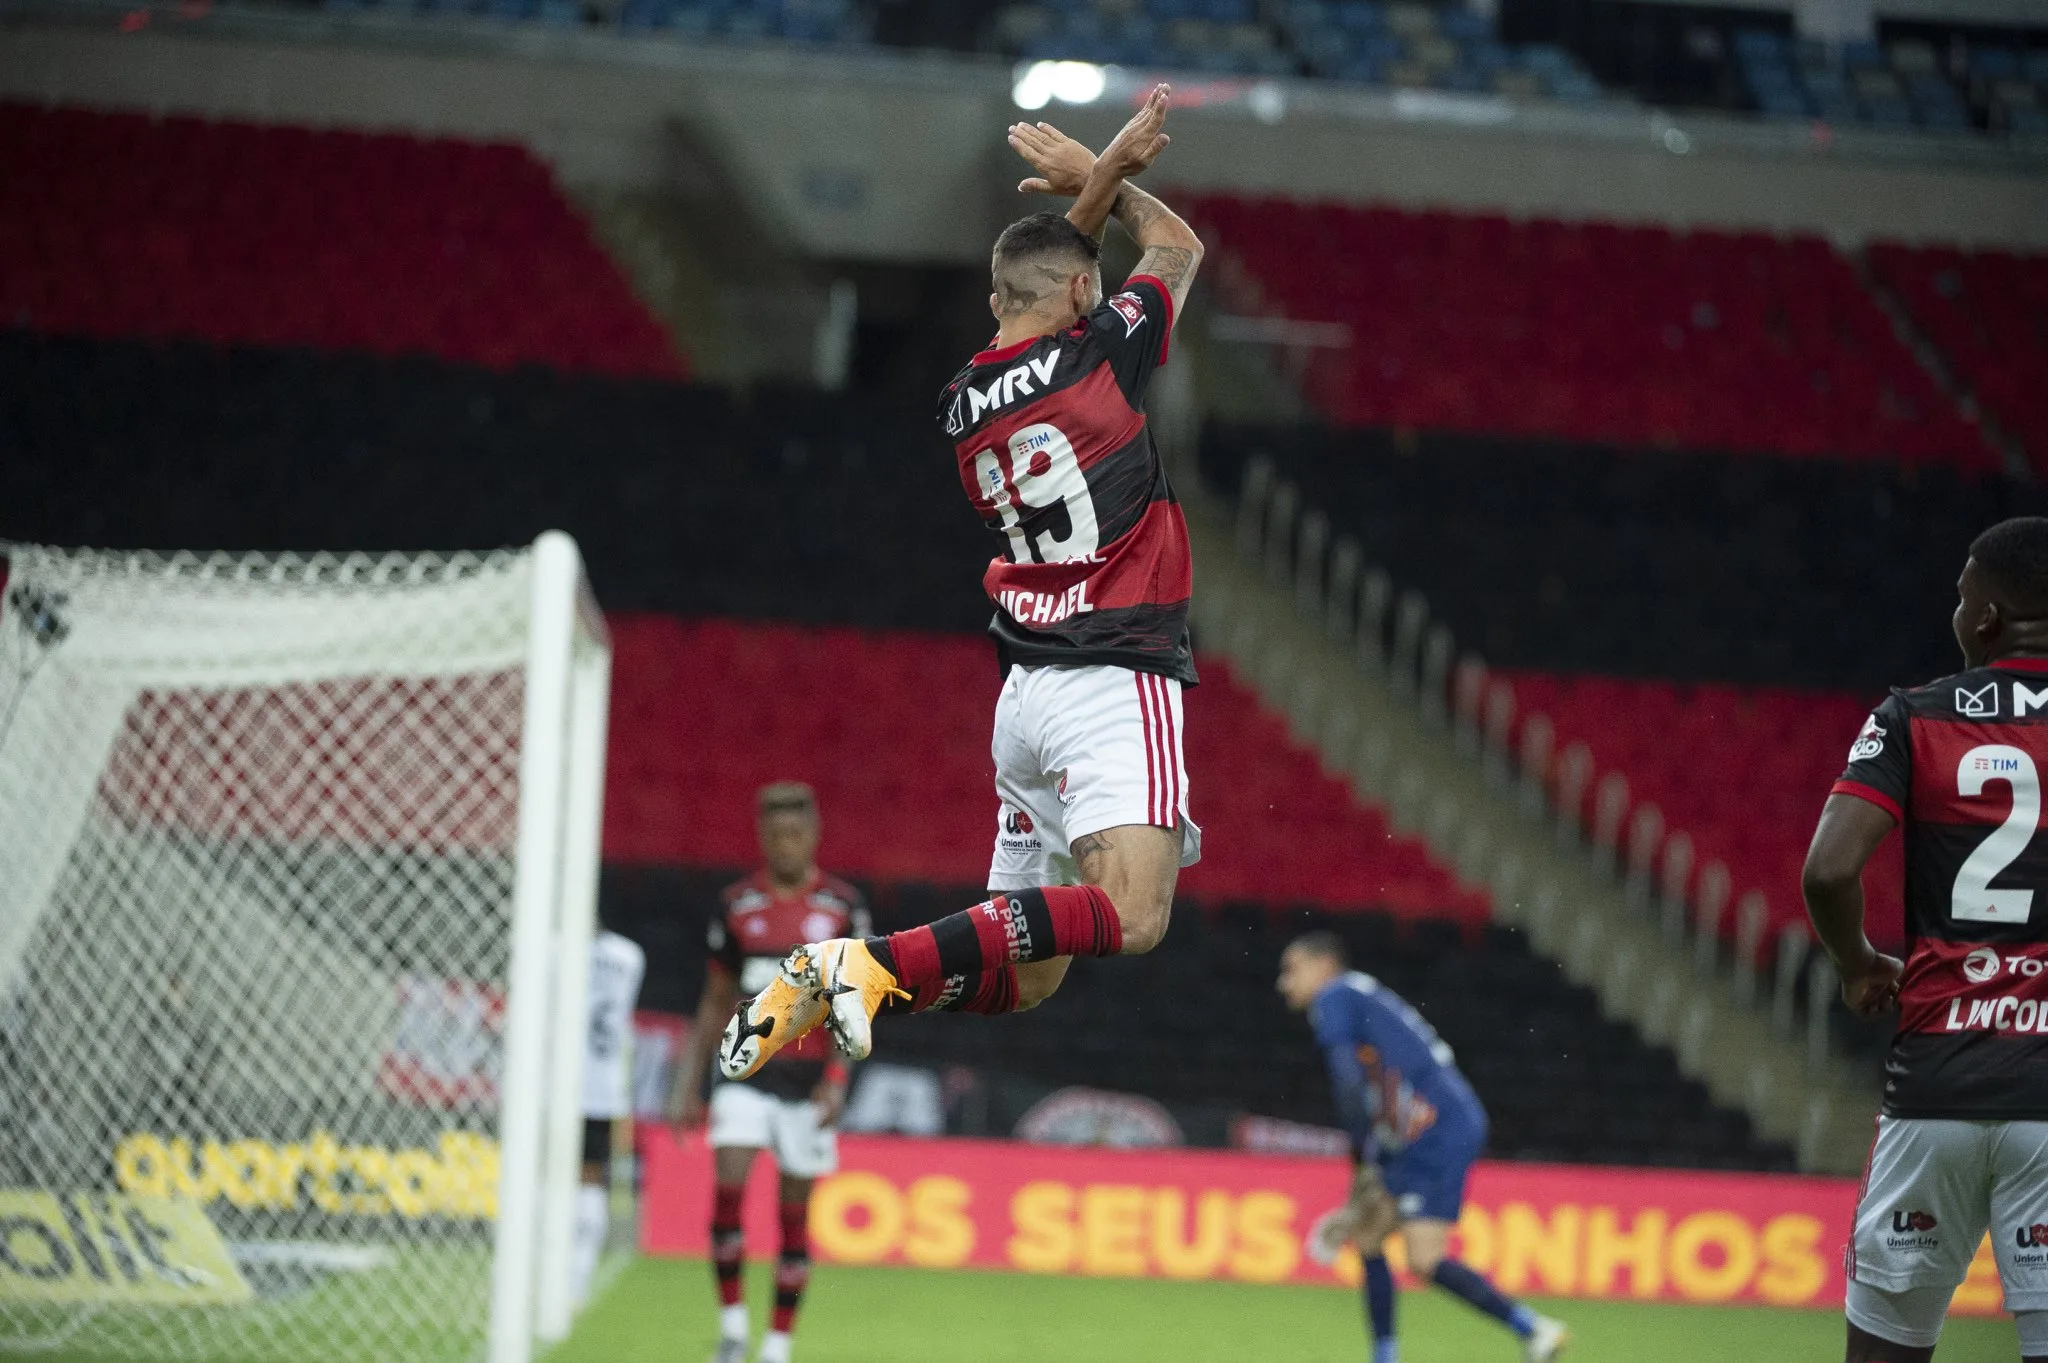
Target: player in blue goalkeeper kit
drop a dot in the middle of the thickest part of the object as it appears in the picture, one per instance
(1412, 1116)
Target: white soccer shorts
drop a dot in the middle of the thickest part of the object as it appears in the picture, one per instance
(1934, 1187)
(1078, 750)
(787, 1128)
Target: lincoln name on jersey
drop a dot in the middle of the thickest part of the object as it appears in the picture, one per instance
(1055, 455)
(1958, 763)
(755, 927)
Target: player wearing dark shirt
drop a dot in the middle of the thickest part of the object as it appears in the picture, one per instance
(789, 1107)
(1411, 1117)
(1090, 592)
(1962, 1141)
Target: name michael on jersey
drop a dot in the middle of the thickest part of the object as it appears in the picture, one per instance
(1046, 608)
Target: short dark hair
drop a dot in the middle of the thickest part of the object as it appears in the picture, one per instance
(787, 797)
(1031, 251)
(2012, 558)
(1322, 942)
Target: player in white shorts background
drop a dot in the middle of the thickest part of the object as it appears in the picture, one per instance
(1091, 599)
(1962, 1142)
(617, 966)
(791, 1107)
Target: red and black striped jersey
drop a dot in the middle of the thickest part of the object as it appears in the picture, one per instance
(1056, 457)
(1958, 763)
(756, 925)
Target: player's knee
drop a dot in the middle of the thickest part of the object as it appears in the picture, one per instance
(1423, 1260)
(1142, 913)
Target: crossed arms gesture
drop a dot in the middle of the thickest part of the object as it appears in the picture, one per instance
(1098, 186)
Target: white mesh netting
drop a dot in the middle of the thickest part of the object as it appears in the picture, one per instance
(257, 824)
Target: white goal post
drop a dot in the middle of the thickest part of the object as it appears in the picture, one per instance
(298, 876)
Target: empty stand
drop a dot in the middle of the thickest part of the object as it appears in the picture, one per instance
(784, 504)
(1987, 312)
(893, 730)
(1743, 771)
(128, 226)
(1540, 555)
(1196, 1023)
(1626, 335)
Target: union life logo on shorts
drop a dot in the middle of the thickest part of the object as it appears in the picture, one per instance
(1018, 833)
(1910, 1231)
(2030, 1246)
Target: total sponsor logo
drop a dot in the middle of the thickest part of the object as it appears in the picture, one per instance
(1046, 608)
(1910, 1230)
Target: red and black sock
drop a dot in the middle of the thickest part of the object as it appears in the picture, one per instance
(793, 1269)
(728, 1243)
(1012, 927)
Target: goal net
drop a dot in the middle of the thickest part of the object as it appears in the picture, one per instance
(298, 857)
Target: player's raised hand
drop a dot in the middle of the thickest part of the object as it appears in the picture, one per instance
(1138, 145)
(1872, 987)
(1061, 162)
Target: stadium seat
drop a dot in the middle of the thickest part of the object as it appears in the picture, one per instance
(1196, 1023)
(1742, 770)
(122, 225)
(1592, 331)
(1987, 312)
(892, 729)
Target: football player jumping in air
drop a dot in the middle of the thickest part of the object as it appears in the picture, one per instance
(1091, 608)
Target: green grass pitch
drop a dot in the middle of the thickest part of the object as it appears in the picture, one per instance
(661, 1311)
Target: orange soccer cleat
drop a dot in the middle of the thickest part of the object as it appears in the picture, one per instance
(855, 986)
(788, 1008)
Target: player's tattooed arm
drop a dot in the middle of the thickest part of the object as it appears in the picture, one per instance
(1172, 251)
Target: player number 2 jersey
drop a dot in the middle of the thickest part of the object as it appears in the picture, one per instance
(1056, 457)
(1958, 763)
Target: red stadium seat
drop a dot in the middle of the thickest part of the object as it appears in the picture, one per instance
(1987, 312)
(121, 225)
(892, 728)
(1742, 770)
(1622, 335)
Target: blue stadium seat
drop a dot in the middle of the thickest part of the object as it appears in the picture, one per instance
(1785, 103)
(1574, 86)
(1760, 44)
(1994, 63)
(1463, 24)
